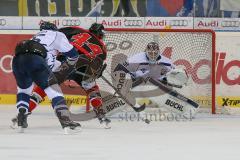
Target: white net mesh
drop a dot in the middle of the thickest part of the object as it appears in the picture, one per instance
(191, 50)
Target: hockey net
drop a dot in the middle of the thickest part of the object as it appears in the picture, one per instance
(190, 49)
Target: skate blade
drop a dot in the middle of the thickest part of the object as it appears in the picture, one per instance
(147, 121)
(69, 131)
(21, 130)
(107, 126)
(14, 126)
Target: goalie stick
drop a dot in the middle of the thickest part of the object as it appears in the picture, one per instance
(164, 81)
(173, 92)
(140, 80)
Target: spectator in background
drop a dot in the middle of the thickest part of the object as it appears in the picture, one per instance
(200, 8)
(187, 9)
(163, 8)
(230, 8)
(96, 11)
(207, 8)
(126, 8)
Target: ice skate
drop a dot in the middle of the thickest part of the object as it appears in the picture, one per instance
(105, 122)
(22, 119)
(67, 124)
(14, 121)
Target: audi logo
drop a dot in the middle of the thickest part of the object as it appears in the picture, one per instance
(230, 24)
(178, 23)
(71, 22)
(3, 22)
(133, 23)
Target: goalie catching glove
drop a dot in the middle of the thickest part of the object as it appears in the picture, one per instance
(177, 78)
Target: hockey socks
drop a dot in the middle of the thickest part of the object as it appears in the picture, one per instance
(36, 98)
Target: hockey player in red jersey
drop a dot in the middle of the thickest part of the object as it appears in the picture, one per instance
(91, 49)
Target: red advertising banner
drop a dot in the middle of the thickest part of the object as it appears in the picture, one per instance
(7, 46)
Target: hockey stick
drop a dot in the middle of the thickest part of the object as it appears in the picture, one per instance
(165, 82)
(174, 85)
(136, 109)
(173, 92)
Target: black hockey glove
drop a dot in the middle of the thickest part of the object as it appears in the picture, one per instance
(65, 69)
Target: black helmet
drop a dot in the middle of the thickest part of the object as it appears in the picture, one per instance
(97, 29)
(48, 26)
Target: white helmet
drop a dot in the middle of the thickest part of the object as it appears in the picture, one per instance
(152, 52)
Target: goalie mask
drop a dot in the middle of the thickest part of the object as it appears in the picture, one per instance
(152, 52)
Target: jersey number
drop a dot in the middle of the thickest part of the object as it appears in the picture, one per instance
(81, 42)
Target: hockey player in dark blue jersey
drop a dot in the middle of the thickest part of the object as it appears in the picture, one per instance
(30, 66)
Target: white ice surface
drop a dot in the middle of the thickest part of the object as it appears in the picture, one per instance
(205, 138)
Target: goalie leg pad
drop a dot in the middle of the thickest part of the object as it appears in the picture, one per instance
(175, 101)
(185, 107)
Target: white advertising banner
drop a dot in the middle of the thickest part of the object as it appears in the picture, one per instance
(169, 22)
(228, 63)
(221, 24)
(217, 24)
(228, 69)
(122, 22)
(147, 22)
(7, 22)
(34, 22)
